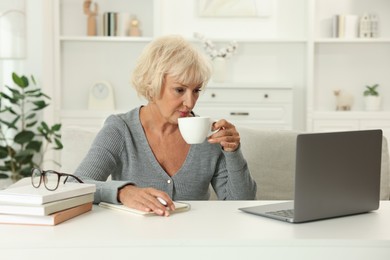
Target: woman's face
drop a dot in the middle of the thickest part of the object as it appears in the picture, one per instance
(176, 99)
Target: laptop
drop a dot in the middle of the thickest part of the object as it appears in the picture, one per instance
(336, 174)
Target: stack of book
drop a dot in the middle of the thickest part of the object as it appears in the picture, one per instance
(39, 206)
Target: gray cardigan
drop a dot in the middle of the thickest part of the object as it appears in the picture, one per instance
(121, 150)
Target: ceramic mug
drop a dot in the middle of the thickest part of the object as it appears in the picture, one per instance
(195, 129)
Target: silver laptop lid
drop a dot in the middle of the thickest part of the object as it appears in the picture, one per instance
(337, 174)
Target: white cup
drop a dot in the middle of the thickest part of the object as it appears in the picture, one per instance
(195, 129)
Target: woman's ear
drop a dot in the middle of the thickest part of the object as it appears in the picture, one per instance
(150, 95)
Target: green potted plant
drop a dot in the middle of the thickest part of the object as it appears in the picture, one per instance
(372, 99)
(24, 138)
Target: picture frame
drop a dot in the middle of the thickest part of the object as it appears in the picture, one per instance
(234, 8)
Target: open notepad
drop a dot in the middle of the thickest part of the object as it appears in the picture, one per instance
(180, 206)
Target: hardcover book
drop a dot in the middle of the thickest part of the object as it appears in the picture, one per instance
(50, 220)
(44, 209)
(27, 194)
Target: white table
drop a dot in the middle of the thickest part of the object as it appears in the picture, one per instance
(210, 230)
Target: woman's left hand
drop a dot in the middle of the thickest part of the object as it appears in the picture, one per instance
(227, 136)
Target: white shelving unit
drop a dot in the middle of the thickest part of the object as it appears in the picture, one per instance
(279, 57)
(292, 46)
(348, 65)
(82, 60)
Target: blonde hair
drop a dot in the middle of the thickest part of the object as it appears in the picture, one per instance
(169, 55)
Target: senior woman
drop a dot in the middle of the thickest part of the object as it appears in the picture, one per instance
(143, 150)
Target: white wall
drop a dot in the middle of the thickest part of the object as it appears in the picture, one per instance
(182, 17)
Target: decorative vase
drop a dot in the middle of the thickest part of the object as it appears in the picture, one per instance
(219, 69)
(372, 103)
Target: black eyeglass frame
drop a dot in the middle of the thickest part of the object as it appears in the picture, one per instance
(59, 174)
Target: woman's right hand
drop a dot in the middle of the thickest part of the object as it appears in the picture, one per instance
(145, 199)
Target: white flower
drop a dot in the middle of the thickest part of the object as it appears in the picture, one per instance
(213, 52)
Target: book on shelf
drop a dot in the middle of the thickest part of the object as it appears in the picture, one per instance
(180, 207)
(44, 209)
(345, 26)
(27, 194)
(49, 220)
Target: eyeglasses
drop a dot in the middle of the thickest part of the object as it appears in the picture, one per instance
(51, 179)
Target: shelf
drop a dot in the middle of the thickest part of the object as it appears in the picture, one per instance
(83, 113)
(249, 85)
(355, 40)
(286, 40)
(258, 40)
(148, 39)
(105, 39)
(351, 115)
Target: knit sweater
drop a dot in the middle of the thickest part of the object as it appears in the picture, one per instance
(121, 150)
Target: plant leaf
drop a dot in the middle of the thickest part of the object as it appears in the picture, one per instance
(34, 145)
(31, 124)
(33, 93)
(39, 105)
(12, 111)
(33, 80)
(26, 171)
(3, 176)
(15, 91)
(24, 137)
(46, 96)
(14, 122)
(24, 156)
(45, 126)
(56, 127)
(5, 168)
(32, 115)
(10, 124)
(20, 81)
(11, 99)
(59, 145)
(3, 152)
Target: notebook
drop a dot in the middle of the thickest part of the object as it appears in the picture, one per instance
(336, 174)
(180, 207)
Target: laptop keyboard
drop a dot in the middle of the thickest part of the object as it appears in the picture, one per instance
(287, 213)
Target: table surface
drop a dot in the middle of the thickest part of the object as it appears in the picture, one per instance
(216, 227)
